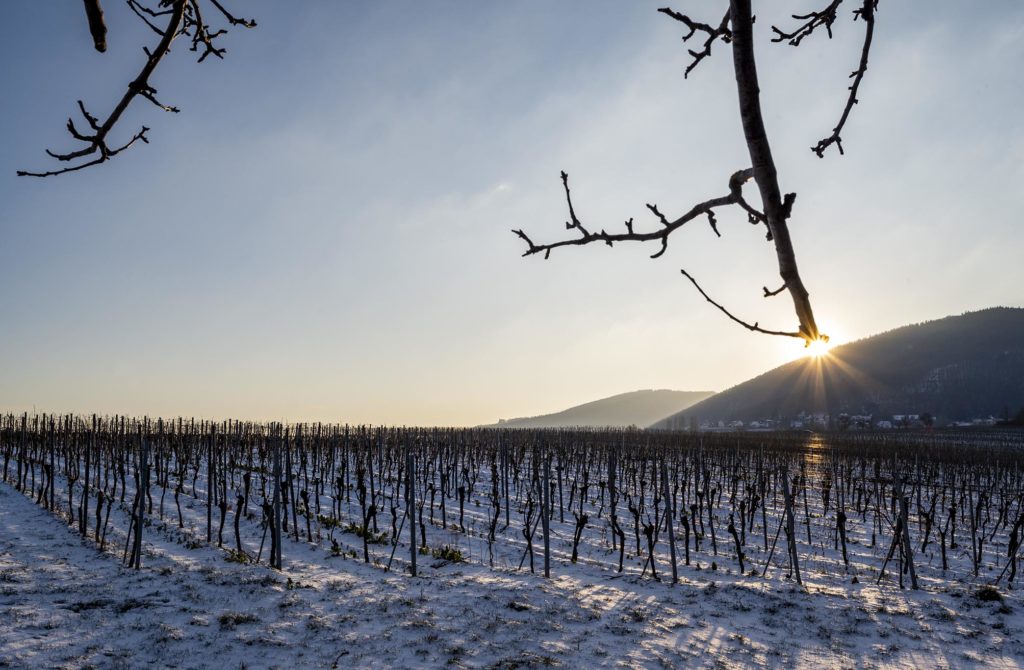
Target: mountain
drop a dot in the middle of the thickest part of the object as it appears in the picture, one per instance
(956, 368)
(638, 408)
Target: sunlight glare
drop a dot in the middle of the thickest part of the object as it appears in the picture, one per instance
(818, 348)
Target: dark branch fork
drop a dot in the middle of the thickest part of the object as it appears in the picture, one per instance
(867, 13)
(736, 28)
(825, 18)
(812, 21)
(722, 32)
(184, 17)
(706, 208)
(749, 326)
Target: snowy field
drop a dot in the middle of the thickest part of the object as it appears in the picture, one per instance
(64, 604)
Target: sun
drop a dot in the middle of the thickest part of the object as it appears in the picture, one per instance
(818, 348)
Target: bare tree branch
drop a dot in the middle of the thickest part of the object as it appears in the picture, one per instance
(749, 326)
(812, 21)
(705, 208)
(777, 209)
(97, 142)
(105, 155)
(201, 33)
(142, 11)
(184, 17)
(574, 222)
(867, 13)
(736, 28)
(245, 23)
(97, 27)
(721, 32)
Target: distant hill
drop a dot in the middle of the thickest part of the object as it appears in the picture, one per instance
(638, 408)
(955, 368)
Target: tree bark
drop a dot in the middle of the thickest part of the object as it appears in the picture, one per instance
(775, 210)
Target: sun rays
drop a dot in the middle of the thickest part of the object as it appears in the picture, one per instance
(818, 348)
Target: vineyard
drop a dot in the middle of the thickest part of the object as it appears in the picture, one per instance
(934, 519)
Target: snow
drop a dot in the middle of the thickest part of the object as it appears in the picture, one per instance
(64, 604)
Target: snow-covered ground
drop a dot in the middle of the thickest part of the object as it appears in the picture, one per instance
(65, 604)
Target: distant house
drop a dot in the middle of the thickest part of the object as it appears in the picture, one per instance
(907, 420)
(860, 421)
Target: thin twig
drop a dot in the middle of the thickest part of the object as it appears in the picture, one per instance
(749, 326)
(722, 32)
(812, 21)
(867, 13)
(184, 17)
(705, 208)
(97, 142)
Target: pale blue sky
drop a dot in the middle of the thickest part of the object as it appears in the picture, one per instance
(323, 232)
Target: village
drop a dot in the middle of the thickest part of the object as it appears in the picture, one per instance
(843, 421)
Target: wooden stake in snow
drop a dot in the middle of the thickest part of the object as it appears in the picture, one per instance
(546, 512)
(790, 527)
(275, 529)
(410, 512)
(670, 520)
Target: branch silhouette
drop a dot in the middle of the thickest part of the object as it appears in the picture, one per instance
(706, 208)
(749, 326)
(722, 32)
(97, 26)
(867, 13)
(736, 29)
(184, 17)
(812, 21)
(825, 18)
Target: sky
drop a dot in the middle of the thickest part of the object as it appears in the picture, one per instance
(323, 232)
